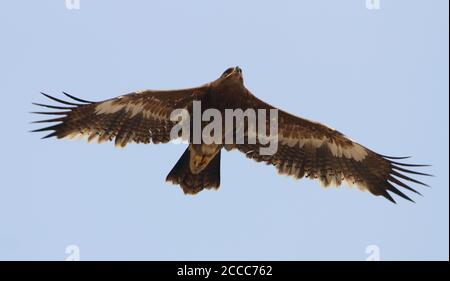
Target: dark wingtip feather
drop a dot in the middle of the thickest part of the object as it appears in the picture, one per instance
(397, 174)
(393, 189)
(410, 171)
(77, 99)
(54, 134)
(49, 128)
(388, 197)
(49, 120)
(410, 165)
(402, 184)
(394, 157)
(50, 112)
(52, 106)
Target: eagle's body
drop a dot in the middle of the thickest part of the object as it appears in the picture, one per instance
(305, 148)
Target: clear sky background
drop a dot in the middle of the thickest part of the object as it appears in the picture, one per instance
(379, 76)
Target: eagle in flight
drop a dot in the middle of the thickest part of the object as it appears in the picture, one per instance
(305, 148)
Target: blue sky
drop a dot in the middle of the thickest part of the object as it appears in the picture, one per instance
(379, 76)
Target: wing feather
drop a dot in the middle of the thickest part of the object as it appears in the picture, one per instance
(140, 117)
(310, 149)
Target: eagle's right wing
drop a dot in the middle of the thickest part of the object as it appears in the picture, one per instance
(140, 117)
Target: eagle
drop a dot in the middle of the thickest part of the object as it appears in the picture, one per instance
(304, 148)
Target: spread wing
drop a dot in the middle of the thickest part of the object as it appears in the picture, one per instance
(140, 117)
(310, 149)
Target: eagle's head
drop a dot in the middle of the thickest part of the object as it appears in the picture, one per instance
(232, 75)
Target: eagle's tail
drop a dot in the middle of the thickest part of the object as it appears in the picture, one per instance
(194, 183)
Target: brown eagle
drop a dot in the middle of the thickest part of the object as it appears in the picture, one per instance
(305, 148)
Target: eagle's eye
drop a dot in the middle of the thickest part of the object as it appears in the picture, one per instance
(228, 71)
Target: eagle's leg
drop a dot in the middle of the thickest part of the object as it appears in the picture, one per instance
(197, 168)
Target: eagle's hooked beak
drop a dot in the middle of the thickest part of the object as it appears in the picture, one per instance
(236, 70)
(233, 71)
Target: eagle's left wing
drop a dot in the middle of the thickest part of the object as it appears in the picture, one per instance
(313, 150)
(140, 117)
